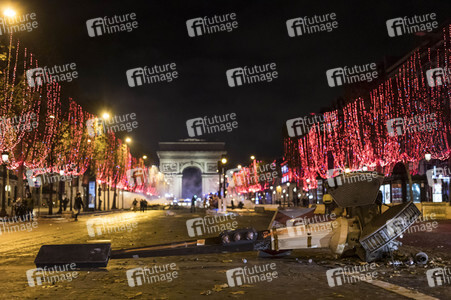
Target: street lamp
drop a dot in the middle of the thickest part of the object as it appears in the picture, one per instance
(144, 157)
(221, 169)
(5, 159)
(239, 166)
(128, 140)
(105, 116)
(253, 157)
(9, 12)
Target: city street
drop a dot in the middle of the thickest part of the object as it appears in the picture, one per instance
(303, 274)
(231, 149)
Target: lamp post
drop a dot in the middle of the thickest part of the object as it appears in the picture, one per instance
(430, 190)
(223, 162)
(5, 159)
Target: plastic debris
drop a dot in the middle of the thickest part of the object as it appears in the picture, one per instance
(220, 287)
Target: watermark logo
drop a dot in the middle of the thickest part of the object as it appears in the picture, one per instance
(401, 126)
(437, 175)
(16, 24)
(260, 174)
(210, 225)
(95, 127)
(410, 25)
(209, 125)
(425, 223)
(353, 274)
(348, 75)
(117, 123)
(251, 74)
(111, 25)
(39, 176)
(438, 276)
(307, 227)
(311, 25)
(336, 177)
(154, 274)
(57, 73)
(438, 76)
(51, 275)
(18, 224)
(25, 122)
(210, 25)
(298, 127)
(251, 275)
(136, 177)
(100, 226)
(154, 74)
(396, 226)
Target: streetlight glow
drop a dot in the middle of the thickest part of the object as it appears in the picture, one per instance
(5, 157)
(145, 157)
(252, 157)
(9, 12)
(224, 160)
(128, 140)
(106, 116)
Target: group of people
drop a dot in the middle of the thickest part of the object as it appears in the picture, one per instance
(23, 208)
(142, 205)
(211, 201)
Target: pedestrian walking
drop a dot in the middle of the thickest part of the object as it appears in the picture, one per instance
(78, 205)
(193, 204)
(141, 205)
(379, 201)
(65, 202)
(30, 206)
(135, 204)
(327, 200)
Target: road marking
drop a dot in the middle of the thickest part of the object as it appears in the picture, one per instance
(412, 294)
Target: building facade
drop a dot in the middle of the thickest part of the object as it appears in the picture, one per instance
(190, 167)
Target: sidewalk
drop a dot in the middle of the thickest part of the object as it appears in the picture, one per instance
(69, 214)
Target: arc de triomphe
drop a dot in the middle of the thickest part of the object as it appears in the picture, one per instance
(190, 165)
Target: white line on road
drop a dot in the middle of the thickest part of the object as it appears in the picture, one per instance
(412, 294)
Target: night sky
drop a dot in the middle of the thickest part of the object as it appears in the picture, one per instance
(201, 90)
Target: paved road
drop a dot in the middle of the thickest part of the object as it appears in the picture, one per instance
(205, 275)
